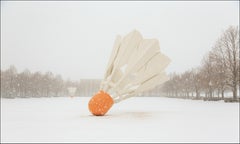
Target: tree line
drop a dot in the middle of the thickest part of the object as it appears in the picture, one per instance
(27, 84)
(218, 72)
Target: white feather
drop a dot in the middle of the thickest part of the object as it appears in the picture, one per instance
(136, 65)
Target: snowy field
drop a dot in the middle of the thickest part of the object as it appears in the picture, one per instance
(138, 119)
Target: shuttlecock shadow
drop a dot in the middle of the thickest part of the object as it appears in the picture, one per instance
(129, 115)
(132, 114)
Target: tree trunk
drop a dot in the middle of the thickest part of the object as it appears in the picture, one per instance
(222, 94)
(197, 94)
(235, 91)
(210, 93)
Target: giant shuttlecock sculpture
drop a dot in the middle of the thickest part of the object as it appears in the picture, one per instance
(136, 65)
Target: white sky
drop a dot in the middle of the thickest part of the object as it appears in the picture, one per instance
(75, 39)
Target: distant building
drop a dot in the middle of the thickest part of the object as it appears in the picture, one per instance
(88, 87)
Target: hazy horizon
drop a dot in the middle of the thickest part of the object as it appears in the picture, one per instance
(75, 39)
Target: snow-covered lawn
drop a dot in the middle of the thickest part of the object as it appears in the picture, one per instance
(138, 119)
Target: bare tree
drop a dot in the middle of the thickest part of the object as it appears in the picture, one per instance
(23, 83)
(229, 45)
(57, 85)
(196, 77)
(220, 67)
(10, 82)
(208, 75)
(186, 83)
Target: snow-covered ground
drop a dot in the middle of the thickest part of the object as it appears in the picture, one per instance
(138, 119)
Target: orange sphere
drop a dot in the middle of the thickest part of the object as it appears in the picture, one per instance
(100, 103)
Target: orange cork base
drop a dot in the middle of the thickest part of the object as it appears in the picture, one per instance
(100, 103)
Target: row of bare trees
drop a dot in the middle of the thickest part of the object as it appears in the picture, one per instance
(27, 84)
(218, 72)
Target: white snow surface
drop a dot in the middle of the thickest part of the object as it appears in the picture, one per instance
(138, 119)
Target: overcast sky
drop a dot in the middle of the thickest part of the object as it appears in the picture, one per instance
(75, 39)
